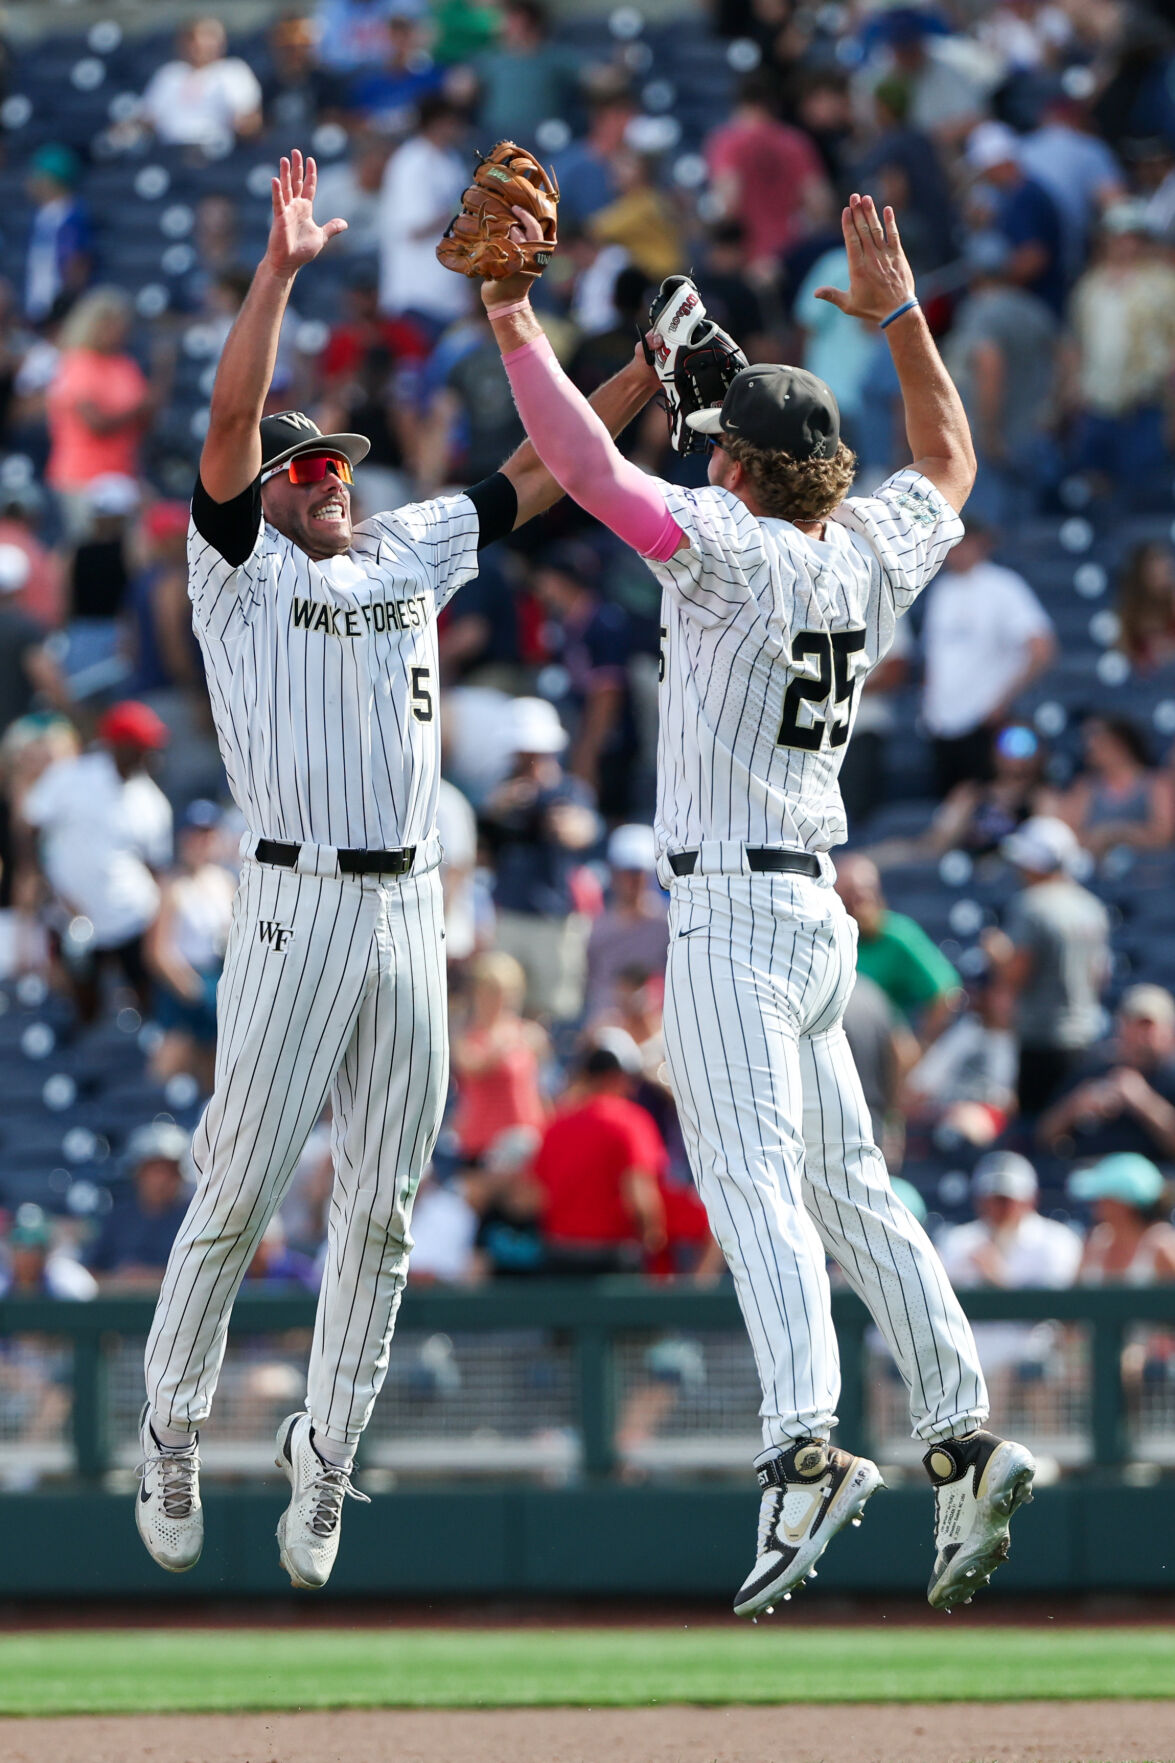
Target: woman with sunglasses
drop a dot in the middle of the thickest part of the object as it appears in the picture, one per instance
(319, 638)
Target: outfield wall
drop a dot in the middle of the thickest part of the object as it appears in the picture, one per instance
(497, 1461)
(689, 1542)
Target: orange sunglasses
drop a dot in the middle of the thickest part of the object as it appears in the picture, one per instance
(311, 468)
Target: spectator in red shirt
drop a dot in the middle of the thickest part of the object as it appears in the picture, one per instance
(766, 175)
(599, 1168)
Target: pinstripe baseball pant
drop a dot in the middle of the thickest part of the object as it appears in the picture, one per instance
(780, 1143)
(332, 987)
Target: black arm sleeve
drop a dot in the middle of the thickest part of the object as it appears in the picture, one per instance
(229, 527)
(496, 501)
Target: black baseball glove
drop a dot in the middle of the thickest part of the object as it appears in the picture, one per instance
(695, 359)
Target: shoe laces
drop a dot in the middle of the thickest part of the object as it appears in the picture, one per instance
(332, 1486)
(178, 1472)
(770, 1507)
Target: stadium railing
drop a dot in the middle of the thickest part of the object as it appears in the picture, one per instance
(573, 1381)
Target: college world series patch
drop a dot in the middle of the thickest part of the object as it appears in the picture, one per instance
(919, 507)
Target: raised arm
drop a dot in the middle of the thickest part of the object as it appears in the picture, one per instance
(881, 284)
(569, 437)
(616, 403)
(231, 456)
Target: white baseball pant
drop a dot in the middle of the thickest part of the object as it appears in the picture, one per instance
(331, 986)
(780, 1144)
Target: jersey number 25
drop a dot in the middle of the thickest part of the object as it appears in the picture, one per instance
(832, 652)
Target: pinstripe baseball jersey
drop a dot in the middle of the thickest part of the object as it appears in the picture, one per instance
(767, 635)
(323, 675)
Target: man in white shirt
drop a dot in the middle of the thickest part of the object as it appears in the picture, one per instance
(1011, 1246)
(422, 188)
(444, 1235)
(204, 98)
(105, 827)
(986, 637)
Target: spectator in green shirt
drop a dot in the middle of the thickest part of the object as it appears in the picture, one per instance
(464, 28)
(896, 954)
(525, 79)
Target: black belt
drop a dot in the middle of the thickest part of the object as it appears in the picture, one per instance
(350, 862)
(760, 859)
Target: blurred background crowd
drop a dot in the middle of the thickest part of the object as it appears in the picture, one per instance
(1011, 787)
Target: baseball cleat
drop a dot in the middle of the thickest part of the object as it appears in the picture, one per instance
(308, 1529)
(168, 1513)
(978, 1483)
(809, 1493)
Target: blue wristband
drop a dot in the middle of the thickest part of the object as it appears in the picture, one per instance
(899, 311)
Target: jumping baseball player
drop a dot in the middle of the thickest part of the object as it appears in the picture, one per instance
(779, 597)
(319, 639)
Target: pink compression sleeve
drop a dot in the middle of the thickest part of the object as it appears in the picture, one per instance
(579, 453)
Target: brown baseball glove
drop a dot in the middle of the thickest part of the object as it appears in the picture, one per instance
(487, 239)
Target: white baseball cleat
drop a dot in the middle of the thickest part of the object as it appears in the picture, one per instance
(168, 1513)
(809, 1493)
(978, 1483)
(308, 1529)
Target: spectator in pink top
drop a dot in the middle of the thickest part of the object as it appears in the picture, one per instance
(498, 1056)
(767, 175)
(100, 401)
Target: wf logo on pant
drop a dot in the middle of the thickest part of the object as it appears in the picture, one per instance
(276, 935)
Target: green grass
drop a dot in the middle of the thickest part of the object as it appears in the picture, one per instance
(140, 1670)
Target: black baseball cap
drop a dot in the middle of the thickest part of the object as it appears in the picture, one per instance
(291, 432)
(778, 407)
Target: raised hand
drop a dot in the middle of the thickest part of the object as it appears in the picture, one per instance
(295, 237)
(880, 277)
(509, 288)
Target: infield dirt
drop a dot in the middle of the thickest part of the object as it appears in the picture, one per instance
(960, 1732)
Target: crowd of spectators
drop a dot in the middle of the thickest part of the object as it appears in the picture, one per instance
(1029, 148)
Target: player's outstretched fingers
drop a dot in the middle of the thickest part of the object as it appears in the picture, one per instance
(868, 230)
(872, 221)
(851, 228)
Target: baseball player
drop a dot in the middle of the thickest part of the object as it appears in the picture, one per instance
(779, 596)
(319, 638)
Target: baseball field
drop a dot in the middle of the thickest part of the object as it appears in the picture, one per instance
(709, 1693)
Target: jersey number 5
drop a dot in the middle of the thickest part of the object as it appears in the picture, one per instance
(831, 651)
(421, 696)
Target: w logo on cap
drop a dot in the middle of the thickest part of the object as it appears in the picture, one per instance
(292, 431)
(285, 433)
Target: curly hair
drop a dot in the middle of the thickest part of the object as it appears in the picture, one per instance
(787, 488)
